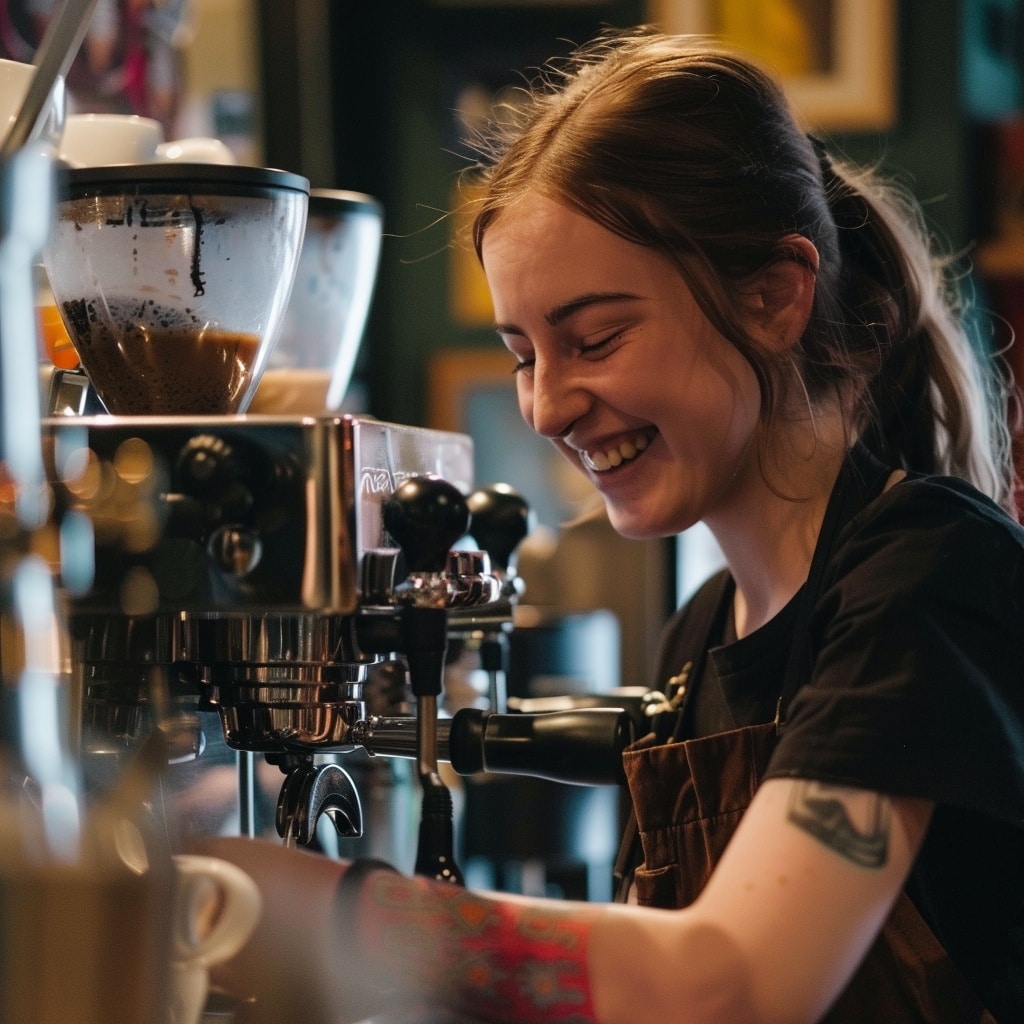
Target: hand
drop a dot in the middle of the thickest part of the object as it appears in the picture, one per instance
(294, 968)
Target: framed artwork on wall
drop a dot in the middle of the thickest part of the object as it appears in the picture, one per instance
(836, 58)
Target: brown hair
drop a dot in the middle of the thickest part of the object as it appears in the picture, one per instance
(674, 143)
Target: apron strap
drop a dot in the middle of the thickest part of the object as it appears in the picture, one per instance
(701, 625)
(861, 479)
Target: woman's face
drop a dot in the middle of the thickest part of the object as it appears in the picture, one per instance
(618, 366)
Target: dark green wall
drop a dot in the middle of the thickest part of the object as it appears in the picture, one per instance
(395, 65)
(929, 146)
(396, 140)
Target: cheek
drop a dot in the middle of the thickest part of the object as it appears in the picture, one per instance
(704, 401)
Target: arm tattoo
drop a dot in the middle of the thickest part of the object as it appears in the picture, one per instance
(477, 955)
(854, 823)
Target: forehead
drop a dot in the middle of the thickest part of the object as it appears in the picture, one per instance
(540, 222)
(539, 248)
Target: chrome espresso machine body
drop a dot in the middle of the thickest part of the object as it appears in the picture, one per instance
(227, 554)
(298, 580)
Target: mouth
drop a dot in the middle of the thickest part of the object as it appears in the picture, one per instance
(606, 459)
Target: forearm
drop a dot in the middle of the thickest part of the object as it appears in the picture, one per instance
(776, 935)
(497, 960)
(338, 955)
(346, 952)
(510, 960)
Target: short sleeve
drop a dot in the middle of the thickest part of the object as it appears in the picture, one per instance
(917, 687)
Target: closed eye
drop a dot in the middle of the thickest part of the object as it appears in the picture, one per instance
(515, 341)
(606, 344)
(597, 346)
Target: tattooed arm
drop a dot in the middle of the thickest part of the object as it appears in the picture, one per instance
(800, 894)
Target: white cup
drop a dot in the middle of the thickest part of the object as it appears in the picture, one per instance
(196, 149)
(216, 909)
(102, 140)
(15, 78)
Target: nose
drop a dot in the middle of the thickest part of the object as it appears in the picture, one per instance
(553, 402)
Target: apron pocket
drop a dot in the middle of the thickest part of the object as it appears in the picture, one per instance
(656, 887)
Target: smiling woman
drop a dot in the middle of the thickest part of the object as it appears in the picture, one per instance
(593, 338)
(717, 321)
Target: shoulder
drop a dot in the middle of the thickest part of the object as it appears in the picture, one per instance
(933, 532)
(936, 501)
(928, 567)
(918, 640)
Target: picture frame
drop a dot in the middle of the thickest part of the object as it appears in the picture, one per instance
(850, 84)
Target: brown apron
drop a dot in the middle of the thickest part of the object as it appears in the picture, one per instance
(689, 796)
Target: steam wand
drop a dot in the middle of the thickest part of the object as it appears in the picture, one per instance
(426, 516)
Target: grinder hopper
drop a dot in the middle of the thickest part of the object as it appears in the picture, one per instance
(311, 367)
(172, 280)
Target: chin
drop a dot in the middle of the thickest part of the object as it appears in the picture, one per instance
(635, 527)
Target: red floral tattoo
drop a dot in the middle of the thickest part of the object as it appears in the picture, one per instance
(472, 954)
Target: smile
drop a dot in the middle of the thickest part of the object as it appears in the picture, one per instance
(609, 458)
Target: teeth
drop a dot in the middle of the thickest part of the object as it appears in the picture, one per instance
(601, 462)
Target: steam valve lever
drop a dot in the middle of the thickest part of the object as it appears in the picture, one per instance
(500, 519)
(426, 516)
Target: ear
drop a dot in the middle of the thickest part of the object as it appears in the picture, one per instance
(780, 296)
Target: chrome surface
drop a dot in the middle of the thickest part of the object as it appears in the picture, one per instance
(242, 570)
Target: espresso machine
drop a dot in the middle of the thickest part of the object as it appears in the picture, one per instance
(264, 589)
(295, 563)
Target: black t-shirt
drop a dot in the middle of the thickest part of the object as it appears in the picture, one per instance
(917, 689)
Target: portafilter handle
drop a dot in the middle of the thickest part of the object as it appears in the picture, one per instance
(579, 746)
(426, 516)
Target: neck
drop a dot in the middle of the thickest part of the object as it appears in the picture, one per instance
(769, 528)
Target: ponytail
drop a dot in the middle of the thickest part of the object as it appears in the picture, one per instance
(935, 403)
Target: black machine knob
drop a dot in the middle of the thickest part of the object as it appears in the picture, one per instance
(426, 516)
(500, 519)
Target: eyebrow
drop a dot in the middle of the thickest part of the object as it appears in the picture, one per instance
(565, 310)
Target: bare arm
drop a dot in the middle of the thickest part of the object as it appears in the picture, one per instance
(801, 892)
